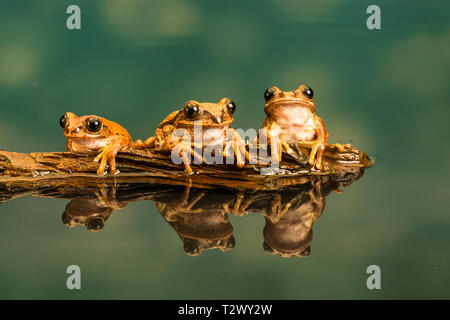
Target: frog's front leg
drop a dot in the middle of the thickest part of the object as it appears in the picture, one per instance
(269, 137)
(238, 207)
(187, 205)
(108, 155)
(184, 205)
(276, 209)
(319, 145)
(240, 149)
(185, 150)
(276, 143)
(238, 146)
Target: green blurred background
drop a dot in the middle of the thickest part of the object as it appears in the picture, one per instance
(134, 61)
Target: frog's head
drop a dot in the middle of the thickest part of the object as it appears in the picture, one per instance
(287, 246)
(92, 223)
(83, 127)
(275, 98)
(208, 114)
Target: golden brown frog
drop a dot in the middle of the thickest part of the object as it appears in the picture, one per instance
(291, 118)
(93, 133)
(215, 120)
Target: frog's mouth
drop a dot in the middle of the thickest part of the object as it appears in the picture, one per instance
(80, 134)
(218, 123)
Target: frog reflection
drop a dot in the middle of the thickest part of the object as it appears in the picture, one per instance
(199, 219)
(92, 212)
(200, 216)
(288, 230)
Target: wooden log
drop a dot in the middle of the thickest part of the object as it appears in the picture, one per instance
(156, 167)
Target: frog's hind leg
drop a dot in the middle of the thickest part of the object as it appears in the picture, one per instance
(286, 147)
(138, 145)
(149, 143)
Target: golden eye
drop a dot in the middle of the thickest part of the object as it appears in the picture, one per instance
(94, 125)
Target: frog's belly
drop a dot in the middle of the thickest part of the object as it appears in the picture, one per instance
(295, 124)
(292, 134)
(213, 137)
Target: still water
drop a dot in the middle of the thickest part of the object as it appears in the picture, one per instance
(385, 91)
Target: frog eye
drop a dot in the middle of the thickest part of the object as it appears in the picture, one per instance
(308, 92)
(63, 121)
(94, 125)
(191, 110)
(66, 219)
(306, 252)
(267, 248)
(269, 94)
(95, 224)
(192, 248)
(231, 107)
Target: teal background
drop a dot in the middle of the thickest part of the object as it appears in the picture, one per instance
(134, 61)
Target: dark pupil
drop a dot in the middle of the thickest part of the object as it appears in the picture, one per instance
(93, 125)
(309, 93)
(232, 107)
(62, 121)
(191, 110)
(95, 224)
(269, 94)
